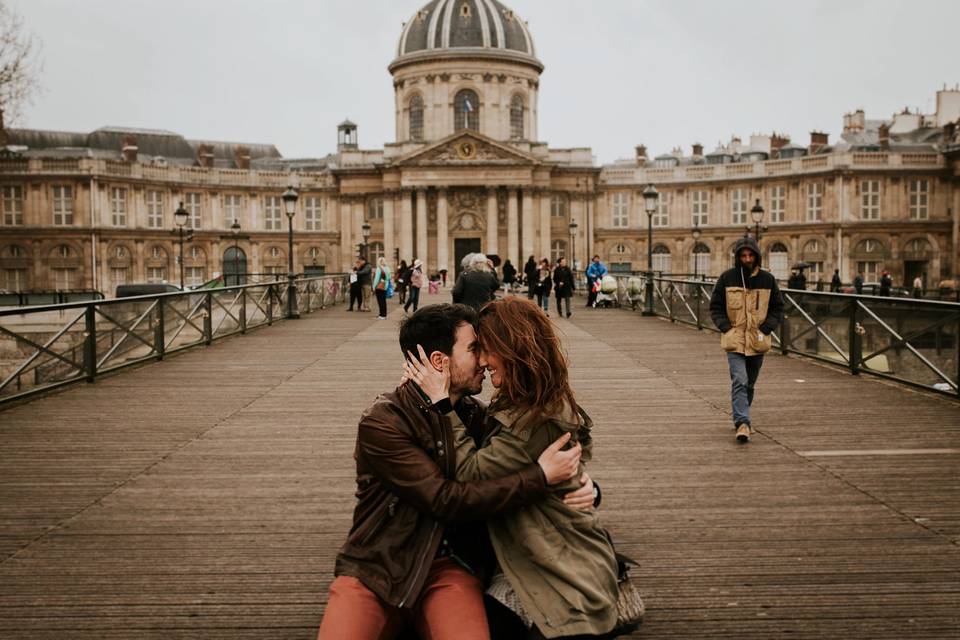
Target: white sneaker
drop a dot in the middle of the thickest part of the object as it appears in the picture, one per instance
(743, 433)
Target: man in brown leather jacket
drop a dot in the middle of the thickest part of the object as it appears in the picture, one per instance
(411, 555)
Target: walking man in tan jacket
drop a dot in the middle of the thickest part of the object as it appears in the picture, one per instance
(746, 307)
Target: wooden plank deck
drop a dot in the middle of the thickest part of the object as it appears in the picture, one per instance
(206, 496)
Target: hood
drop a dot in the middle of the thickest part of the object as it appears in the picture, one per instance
(746, 242)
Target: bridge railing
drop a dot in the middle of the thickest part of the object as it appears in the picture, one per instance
(45, 347)
(912, 341)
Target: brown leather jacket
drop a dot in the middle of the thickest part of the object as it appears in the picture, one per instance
(407, 493)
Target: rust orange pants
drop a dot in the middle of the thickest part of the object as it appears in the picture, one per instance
(450, 607)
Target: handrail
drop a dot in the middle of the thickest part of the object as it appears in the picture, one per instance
(909, 340)
(62, 344)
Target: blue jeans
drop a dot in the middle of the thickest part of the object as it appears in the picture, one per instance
(413, 298)
(744, 371)
(545, 302)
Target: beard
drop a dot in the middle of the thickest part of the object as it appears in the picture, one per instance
(466, 383)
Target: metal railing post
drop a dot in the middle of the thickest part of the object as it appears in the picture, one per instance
(90, 344)
(208, 318)
(785, 335)
(159, 333)
(856, 350)
(696, 292)
(270, 304)
(243, 310)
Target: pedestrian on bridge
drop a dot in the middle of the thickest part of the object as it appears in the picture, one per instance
(365, 278)
(381, 284)
(746, 307)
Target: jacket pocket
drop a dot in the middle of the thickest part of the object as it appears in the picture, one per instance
(377, 521)
(728, 340)
(759, 342)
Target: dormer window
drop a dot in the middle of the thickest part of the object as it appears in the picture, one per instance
(465, 10)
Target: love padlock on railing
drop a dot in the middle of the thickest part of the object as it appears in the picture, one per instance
(860, 329)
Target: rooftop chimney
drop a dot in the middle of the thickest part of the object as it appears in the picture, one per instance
(777, 142)
(697, 150)
(818, 140)
(241, 157)
(641, 155)
(884, 133)
(128, 147)
(205, 155)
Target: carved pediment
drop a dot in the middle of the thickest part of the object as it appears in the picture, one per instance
(467, 148)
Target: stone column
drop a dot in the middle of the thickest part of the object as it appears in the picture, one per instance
(546, 238)
(527, 220)
(493, 228)
(406, 226)
(422, 229)
(346, 235)
(216, 213)
(443, 240)
(513, 230)
(388, 228)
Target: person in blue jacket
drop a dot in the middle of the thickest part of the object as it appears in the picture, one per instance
(595, 272)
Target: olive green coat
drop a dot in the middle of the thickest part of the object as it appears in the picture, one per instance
(559, 561)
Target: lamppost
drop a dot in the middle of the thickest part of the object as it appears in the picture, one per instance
(757, 214)
(365, 229)
(573, 244)
(696, 260)
(235, 230)
(290, 205)
(180, 219)
(650, 198)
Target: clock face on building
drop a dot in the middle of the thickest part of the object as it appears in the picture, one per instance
(467, 150)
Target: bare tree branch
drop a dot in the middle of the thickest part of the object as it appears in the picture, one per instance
(20, 66)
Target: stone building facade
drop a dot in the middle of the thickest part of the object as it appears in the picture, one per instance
(467, 173)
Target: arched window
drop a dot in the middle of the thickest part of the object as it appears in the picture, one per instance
(416, 118)
(869, 255)
(466, 111)
(376, 252)
(558, 249)
(661, 259)
(779, 261)
(700, 259)
(516, 117)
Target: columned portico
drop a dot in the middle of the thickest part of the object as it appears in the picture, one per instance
(528, 244)
(406, 225)
(545, 239)
(422, 228)
(513, 228)
(442, 231)
(493, 227)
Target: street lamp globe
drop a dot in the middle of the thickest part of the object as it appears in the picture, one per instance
(696, 234)
(366, 231)
(235, 227)
(757, 212)
(180, 216)
(290, 201)
(650, 198)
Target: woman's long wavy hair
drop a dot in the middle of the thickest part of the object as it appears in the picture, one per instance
(534, 368)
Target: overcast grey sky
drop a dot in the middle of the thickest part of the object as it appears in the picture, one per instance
(618, 72)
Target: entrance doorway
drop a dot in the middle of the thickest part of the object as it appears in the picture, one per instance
(462, 247)
(912, 269)
(234, 267)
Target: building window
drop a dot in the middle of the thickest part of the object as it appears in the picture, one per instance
(779, 261)
(158, 252)
(156, 274)
(558, 205)
(375, 252)
(272, 212)
(815, 202)
(311, 208)
(738, 205)
(919, 199)
(275, 252)
(63, 251)
(192, 205)
(516, 117)
(466, 111)
(154, 209)
(12, 205)
(816, 271)
(621, 210)
(375, 209)
(701, 208)
(14, 279)
(63, 279)
(196, 253)
(661, 259)
(119, 275)
(700, 260)
(62, 206)
(778, 203)
(274, 270)
(314, 253)
(869, 269)
(194, 276)
(118, 206)
(416, 118)
(870, 199)
(232, 209)
(558, 249)
(661, 218)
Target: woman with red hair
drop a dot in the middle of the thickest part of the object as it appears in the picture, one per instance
(557, 567)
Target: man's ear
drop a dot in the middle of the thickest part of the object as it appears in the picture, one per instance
(436, 359)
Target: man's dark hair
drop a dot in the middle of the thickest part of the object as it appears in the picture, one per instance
(435, 328)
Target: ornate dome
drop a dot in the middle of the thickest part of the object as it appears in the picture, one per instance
(484, 27)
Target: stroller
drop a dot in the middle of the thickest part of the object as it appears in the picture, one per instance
(606, 290)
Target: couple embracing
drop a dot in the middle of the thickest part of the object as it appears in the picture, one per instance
(473, 521)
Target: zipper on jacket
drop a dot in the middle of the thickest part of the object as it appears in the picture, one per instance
(420, 565)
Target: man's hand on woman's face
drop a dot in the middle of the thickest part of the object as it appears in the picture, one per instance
(559, 466)
(433, 382)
